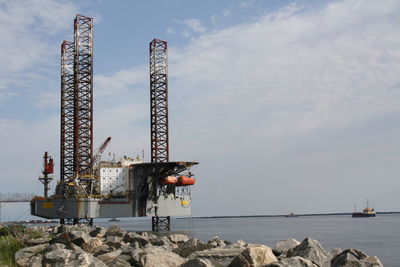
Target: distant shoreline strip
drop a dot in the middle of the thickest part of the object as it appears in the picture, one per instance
(285, 215)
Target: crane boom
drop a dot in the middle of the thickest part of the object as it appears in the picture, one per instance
(100, 151)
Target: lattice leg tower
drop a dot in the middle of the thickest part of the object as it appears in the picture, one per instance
(160, 223)
(159, 115)
(83, 116)
(87, 221)
(159, 101)
(67, 112)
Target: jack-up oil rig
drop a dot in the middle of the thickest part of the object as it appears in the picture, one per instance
(90, 188)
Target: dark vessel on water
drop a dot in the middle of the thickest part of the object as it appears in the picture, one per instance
(367, 212)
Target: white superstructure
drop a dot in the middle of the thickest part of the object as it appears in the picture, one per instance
(113, 180)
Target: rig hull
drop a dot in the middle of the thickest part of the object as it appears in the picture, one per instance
(105, 208)
(143, 195)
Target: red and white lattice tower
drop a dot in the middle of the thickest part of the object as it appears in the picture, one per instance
(67, 112)
(83, 86)
(159, 101)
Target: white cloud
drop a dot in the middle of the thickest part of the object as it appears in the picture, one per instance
(119, 82)
(247, 3)
(186, 33)
(195, 25)
(299, 70)
(7, 126)
(170, 31)
(26, 142)
(26, 29)
(48, 99)
(225, 13)
(259, 90)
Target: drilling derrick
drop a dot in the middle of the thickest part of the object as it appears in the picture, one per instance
(159, 101)
(83, 87)
(67, 112)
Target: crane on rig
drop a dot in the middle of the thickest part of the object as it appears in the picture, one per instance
(87, 183)
(97, 156)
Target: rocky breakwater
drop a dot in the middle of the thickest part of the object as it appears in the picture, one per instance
(96, 246)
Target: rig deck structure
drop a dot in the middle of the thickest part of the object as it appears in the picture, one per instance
(89, 188)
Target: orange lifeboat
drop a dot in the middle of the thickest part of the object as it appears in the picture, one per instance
(184, 180)
(169, 180)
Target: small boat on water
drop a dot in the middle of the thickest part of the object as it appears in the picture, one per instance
(291, 215)
(367, 212)
(113, 220)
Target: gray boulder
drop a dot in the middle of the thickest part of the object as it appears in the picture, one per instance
(158, 242)
(283, 246)
(62, 228)
(81, 228)
(114, 241)
(37, 241)
(155, 257)
(178, 238)
(59, 254)
(126, 255)
(77, 237)
(371, 262)
(83, 259)
(115, 230)
(102, 249)
(167, 244)
(33, 250)
(293, 262)
(119, 263)
(311, 249)
(346, 259)
(355, 258)
(237, 244)
(98, 231)
(142, 240)
(147, 235)
(217, 242)
(33, 261)
(198, 263)
(221, 255)
(60, 240)
(91, 245)
(23, 256)
(56, 246)
(192, 245)
(108, 257)
(57, 257)
(135, 257)
(254, 256)
(336, 251)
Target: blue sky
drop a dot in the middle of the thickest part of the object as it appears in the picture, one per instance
(288, 105)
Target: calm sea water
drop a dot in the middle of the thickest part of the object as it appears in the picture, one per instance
(379, 236)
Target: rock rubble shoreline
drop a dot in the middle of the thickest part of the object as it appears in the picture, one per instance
(81, 245)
